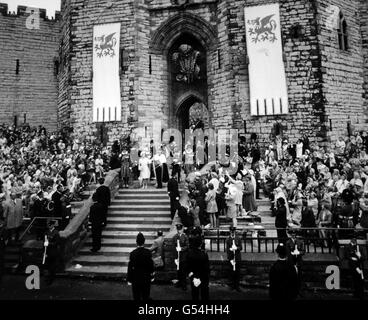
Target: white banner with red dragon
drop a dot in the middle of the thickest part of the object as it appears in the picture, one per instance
(268, 91)
(106, 80)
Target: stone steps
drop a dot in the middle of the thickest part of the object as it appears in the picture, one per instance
(116, 242)
(135, 214)
(138, 220)
(132, 211)
(137, 227)
(98, 271)
(107, 234)
(124, 208)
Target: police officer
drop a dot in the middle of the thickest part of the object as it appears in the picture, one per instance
(234, 248)
(181, 245)
(140, 270)
(52, 245)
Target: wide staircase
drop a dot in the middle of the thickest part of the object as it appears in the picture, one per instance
(13, 250)
(131, 211)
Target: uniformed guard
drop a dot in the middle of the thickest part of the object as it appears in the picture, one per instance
(295, 250)
(2, 248)
(356, 267)
(51, 257)
(181, 247)
(234, 248)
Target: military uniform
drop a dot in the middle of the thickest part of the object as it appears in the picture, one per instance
(292, 247)
(356, 267)
(234, 255)
(52, 253)
(2, 250)
(182, 256)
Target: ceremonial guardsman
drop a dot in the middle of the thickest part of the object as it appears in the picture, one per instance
(173, 192)
(181, 247)
(295, 250)
(356, 267)
(125, 168)
(234, 248)
(52, 251)
(157, 162)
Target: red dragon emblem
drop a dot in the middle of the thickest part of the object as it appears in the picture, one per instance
(106, 45)
(262, 29)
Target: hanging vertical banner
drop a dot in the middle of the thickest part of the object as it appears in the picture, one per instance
(106, 80)
(268, 91)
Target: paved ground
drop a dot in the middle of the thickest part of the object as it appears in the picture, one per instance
(13, 288)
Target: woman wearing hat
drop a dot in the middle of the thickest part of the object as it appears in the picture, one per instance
(230, 203)
(144, 168)
(249, 201)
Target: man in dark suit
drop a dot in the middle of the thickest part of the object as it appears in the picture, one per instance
(234, 248)
(140, 270)
(181, 246)
(173, 191)
(103, 197)
(198, 268)
(56, 198)
(283, 277)
(39, 210)
(96, 220)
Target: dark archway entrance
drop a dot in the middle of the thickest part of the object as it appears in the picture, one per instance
(192, 113)
(184, 34)
(187, 66)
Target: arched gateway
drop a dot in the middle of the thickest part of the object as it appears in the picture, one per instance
(186, 41)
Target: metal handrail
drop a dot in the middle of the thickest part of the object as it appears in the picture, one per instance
(32, 222)
(258, 242)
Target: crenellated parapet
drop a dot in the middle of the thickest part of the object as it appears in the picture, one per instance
(26, 11)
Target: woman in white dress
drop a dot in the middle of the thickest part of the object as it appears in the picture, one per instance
(144, 168)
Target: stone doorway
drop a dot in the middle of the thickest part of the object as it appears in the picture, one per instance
(187, 66)
(192, 113)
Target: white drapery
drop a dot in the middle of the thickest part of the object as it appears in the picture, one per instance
(106, 80)
(268, 91)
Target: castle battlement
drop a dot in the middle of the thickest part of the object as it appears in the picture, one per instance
(22, 11)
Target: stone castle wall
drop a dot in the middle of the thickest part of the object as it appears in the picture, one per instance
(75, 100)
(364, 32)
(302, 65)
(325, 86)
(31, 94)
(342, 70)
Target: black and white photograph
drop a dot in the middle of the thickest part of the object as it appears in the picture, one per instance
(199, 152)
